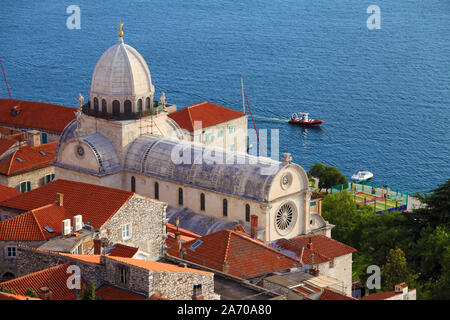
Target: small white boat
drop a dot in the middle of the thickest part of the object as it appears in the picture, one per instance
(362, 175)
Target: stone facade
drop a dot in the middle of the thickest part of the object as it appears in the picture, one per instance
(146, 219)
(167, 284)
(339, 268)
(36, 178)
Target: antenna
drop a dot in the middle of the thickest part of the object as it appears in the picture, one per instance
(4, 75)
(243, 101)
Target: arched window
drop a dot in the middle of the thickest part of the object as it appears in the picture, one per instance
(127, 106)
(139, 103)
(156, 190)
(247, 212)
(147, 104)
(225, 207)
(7, 276)
(104, 110)
(116, 108)
(202, 202)
(180, 196)
(95, 105)
(133, 184)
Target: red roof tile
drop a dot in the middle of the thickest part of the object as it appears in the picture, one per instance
(10, 296)
(54, 278)
(5, 144)
(28, 158)
(246, 257)
(106, 292)
(155, 266)
(97, 204)
(36, 115)
(208, 113)
(380, 295)
(329, 294)
(29, 226)
(7, 193)
(121, 250)
(323, 248)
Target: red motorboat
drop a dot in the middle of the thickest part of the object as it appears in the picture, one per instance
(303, 120)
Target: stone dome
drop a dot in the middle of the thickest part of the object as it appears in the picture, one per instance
(121, 81)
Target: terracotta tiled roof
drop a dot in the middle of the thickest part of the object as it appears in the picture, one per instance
(97, 204)
(5, 144)
(323, 248)
(35, 115)
(246, 257)
(306, 289)
(10, 296)
(7, 193)
(89, 258)
(329, 294)
(154, 265)
(28, 158)
(29, 226)
(380, 296)
(106, 292)
(185, 235)
(208, 113)
(54, 278)
(121, 250)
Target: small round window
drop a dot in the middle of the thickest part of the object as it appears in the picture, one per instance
(80, 151)
(286, 181)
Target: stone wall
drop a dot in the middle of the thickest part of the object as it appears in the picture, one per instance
(147, 219)
(36, 178)
(10, 264)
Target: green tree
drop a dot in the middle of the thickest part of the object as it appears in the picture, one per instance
(88, 293)
(31, 293)
(316, 169)
(396, 270)
(7, 290)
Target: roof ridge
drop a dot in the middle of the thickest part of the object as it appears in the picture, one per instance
(227, 248)
(12, 156)
(263, 245)
(38, 224)
(36, 272)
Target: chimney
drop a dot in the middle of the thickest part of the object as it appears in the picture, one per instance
(77, 223)
(34, 138)
(197, 293)
(59, 199)
(97, 246)
(66, 229)
(310, 245)
(254, 226)
(45, 294)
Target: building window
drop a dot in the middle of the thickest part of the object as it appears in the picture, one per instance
(133, 184)
(147, 104)
(313, 203)
(247, 212)
(331, 264)
(104, 110)
(49, 178)
(116, 107)
(156, 190)
(127, 106)
(139, 103)
(25, 186)
(123, 275)
(202, 202)
(231, 129)
(95, 105)
(220, 134)
(11, 252)
(78, 250)
(126, 231)
(207, 136)
(180, 196)
(44, 137)
(225, 207)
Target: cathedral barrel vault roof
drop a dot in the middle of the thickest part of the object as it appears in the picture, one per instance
(188, 163)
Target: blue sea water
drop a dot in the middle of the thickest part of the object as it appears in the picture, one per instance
(383, 94)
